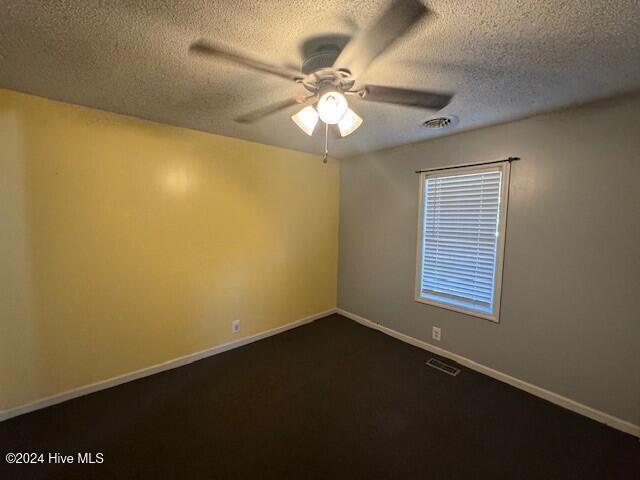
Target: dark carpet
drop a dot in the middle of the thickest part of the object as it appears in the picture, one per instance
(331, 399)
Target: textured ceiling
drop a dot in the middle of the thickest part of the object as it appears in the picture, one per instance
(503, 59)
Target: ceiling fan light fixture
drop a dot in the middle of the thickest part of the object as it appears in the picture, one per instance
(306, 119)
(332, 106)
(349, 123)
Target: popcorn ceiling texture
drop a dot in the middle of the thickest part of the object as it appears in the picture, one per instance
(504, 60)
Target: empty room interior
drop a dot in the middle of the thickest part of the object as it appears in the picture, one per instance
(323, 239)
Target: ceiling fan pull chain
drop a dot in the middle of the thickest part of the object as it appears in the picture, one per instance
(326, 143)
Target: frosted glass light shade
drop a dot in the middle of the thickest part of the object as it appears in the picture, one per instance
(332, 106)
(306, 119)
(349, 123)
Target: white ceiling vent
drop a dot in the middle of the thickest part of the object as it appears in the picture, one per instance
(438, 123)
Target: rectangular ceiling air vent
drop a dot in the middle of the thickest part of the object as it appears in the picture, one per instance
(443, 367)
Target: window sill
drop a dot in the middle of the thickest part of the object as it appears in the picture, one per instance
(495, 318)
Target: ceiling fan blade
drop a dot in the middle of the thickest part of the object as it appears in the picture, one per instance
(208, 49)
(399, 17)
(260, 113)
(402, 96)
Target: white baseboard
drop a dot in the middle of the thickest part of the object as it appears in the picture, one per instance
(160, 367)
(565, 402)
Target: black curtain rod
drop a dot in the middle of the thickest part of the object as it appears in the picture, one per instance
(510, 159)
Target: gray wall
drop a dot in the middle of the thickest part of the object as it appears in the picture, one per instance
(570, 317)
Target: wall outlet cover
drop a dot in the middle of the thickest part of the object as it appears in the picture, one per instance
(235, 326)
(436, 333)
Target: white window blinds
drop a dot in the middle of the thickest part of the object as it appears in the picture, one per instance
(461, 215)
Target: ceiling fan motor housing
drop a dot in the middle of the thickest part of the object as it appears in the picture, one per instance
(324, 57)
(319, 71)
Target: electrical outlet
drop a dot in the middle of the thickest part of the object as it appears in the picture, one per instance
(235, 326)
(435, 333)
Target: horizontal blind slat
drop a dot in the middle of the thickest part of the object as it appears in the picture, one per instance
(484, 268)
(466, 273)
(442, 248)
(457, 240)
(480, 191)
(461, 180)
(477, 263)
(459, 291)
(470, 282)
(463, 232)
(461, 286)
(463, 293)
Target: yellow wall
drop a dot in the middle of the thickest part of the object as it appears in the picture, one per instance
(125, 243)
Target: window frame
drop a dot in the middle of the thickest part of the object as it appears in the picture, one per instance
(505, 167)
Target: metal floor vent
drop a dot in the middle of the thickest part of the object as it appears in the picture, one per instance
(443, 367)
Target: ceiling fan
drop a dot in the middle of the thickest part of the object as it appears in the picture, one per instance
(329, 74)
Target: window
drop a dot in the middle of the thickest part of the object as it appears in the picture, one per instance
(461, 238)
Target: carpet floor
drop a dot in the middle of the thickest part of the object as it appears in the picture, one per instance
(328, 400)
